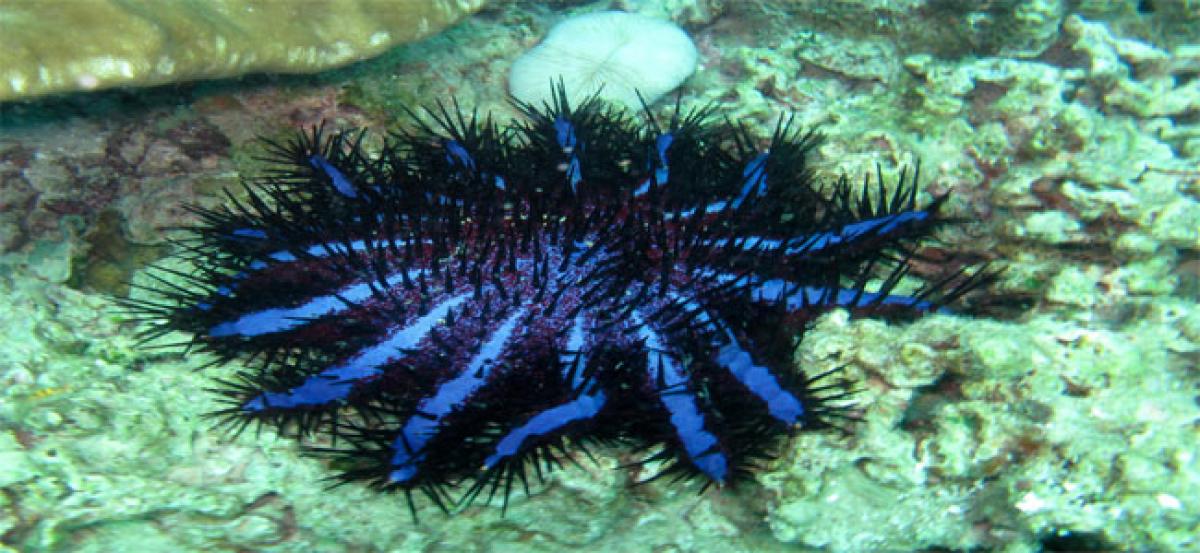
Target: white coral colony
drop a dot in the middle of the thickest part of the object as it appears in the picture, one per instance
(624, 52)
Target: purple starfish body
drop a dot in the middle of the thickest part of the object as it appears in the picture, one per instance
(467, 299)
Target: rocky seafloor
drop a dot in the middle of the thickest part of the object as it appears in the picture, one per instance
(1063, 416)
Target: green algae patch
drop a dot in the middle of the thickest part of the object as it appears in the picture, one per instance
(55, 47)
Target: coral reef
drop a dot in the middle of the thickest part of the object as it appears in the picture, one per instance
(66, 46)
(1063, 416)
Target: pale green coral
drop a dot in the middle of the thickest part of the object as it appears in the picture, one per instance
(987, 469)
(63, 46)
(1053, 227)
(1178, 223)
(1077, 286)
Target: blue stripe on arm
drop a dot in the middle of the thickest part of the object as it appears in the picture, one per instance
(846, 298)
(642, 189)
(456, 154)
(574, 174)
(574, 359)
(335, 383)
(564, 134)
(866, 229)
(700, 445)
(339, 181)
(584, 407)
(422, 427)
(283, 256)
(754, 179)
(251, 233)
(268, 321)
(760, 381)
(546, 422)
(816, 242)
(799, 297)
(715, 207)
(662, 144)
(737, 360)
(326, 249)
(747, 243)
